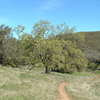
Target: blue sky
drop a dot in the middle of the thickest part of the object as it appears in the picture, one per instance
(83, 14)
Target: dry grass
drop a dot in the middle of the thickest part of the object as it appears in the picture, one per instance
(85, 87)
(16, 84)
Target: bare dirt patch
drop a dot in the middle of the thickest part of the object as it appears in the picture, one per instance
(62, 93)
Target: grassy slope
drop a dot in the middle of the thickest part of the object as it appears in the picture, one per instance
(91, 45)
(92, 39)
(16, 84)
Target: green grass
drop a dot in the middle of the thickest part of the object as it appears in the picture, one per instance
(17, 84)
(97, 72)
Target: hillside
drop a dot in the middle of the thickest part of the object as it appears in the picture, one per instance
(92, 45)
(88, 42)
(92, 39)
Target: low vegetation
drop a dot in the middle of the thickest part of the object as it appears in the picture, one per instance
(17, 84)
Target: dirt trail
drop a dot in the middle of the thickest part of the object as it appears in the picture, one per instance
(62, 94)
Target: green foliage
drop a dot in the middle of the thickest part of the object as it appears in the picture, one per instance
(41, 48)
(64, 29)
(4, 34)
(42, 29)
(60, 55)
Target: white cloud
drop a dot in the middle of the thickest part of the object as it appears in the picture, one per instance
(51, 5)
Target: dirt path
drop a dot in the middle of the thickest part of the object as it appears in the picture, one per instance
(62, 94)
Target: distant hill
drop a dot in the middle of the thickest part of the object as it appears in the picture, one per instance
(92, 39)
(88, 42)
(92, 45)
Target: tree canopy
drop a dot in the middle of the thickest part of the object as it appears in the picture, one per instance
(53, 47)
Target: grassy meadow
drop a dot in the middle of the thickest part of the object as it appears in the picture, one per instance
(16, 84)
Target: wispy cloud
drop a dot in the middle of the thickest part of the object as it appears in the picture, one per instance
(51, 5)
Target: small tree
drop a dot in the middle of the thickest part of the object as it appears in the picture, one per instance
(43, 53)
(41, 29)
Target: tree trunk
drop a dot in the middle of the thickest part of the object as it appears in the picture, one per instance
(78, 68)
(46, 69)
(1, 60)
